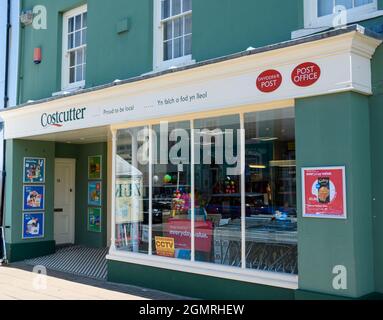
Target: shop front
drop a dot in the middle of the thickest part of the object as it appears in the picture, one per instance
(206, 169)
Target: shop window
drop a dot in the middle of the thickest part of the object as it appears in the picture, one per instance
(183, 193)
(171, 209)
(173, 33)
(331, 13)
(218, 191)
(74, 48)
(270, 183)
(132, 191)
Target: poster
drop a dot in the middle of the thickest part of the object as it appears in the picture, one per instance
(94, 219)
(34, 170)
(324, 192)
(94, 193)
(94, 167)
(33, 225)
(165, 247)
(33, 197)
(180, 231)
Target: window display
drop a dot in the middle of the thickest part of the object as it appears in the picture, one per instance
(191, 185)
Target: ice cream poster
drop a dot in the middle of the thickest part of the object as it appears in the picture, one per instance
(324, 192)
(94, 193)
(94, 167)
(33, 225)
(34, 170)
(34, 197)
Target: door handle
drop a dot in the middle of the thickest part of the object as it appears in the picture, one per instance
(58, 210)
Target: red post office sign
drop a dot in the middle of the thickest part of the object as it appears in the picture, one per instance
(306, 74)
(269, 81)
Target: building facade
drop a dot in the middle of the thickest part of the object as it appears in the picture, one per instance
(219, 149)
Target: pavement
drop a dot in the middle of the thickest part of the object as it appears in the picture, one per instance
(18, 282)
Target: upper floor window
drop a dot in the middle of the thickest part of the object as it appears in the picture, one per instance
(173, 33)
(331, 13)
(74, 48)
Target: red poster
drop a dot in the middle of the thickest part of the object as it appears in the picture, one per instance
(324, 192)
(306, 74)
(269, 81)
(180, 231)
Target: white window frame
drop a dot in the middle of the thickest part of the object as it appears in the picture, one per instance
(158, 44)
(65, 85)
(353, 15)
(275, 279)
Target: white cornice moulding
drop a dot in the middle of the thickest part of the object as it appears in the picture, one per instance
(344, 60)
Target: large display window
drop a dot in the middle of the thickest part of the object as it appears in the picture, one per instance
(215, 190)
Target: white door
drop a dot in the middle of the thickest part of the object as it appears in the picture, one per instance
(64, 212)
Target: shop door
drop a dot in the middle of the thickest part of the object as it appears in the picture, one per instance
(64, 212)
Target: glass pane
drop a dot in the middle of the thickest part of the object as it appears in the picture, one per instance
(132, 190)
(70, 40)
(325, 7)
(188, 45)
(84, 33)
(176, 7)
(79, 73)
(78, 22)
(177, 27)
(70, 25)
(362, 2)
(346, 3)
(85, 20)
(71, 75)
(72, 59)
(79, 55)
(165, 9)
(188, 24)
(77, 41)
(84, 50)
(187, 5)
(83, 71)
(168, 50)
(270, 175)
(168, 30)
(178, 48)
(217, 191)
(171, 190)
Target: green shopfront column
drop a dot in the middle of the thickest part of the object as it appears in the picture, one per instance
(333, 130)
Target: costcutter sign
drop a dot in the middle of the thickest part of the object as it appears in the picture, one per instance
(58, 119)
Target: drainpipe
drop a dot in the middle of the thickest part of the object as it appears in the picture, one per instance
(3, 259)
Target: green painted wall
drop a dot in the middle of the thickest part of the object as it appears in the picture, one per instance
(81, 153)
(16, 151)
(376, 116)
(334, 130)
(192, 285)
(110, 55)
(222, 27)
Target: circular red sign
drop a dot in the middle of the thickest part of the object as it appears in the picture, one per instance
(269, 81)
(306, 74)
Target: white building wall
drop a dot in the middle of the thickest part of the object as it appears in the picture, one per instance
(14, 51)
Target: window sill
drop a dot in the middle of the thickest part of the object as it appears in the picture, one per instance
(316, 28)
(68, 91)
(174, 64)
(286, 281)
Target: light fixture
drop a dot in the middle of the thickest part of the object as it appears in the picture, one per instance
(257, 166)
(283, 163)
(265, 139)
(37, 55)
